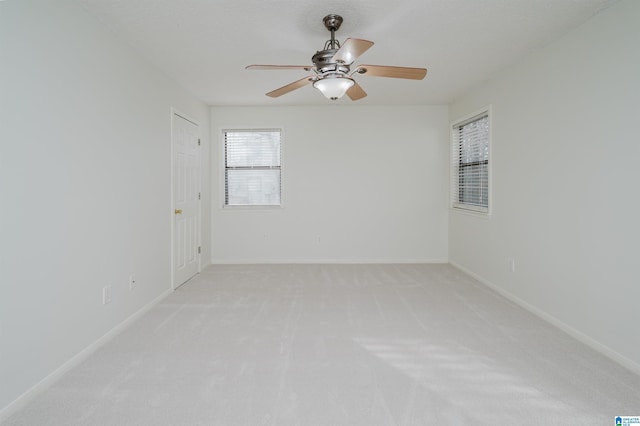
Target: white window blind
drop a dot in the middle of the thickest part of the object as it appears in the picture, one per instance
(470, 164)
(252, 167)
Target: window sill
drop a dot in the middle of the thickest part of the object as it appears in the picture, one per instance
(469, 212)
(250, 208)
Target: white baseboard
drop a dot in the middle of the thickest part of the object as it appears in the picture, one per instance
(323, 261)
(76, 360)
(587, 340)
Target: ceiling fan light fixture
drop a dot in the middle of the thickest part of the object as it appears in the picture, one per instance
(334, 87)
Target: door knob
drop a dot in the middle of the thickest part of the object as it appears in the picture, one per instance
(178, 211)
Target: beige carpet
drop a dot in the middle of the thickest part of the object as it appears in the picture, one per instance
(338, 345)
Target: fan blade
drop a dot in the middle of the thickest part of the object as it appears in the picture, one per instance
(290, 87)
(393, 72)
(355, 92)
(279, 67)
(351, 49)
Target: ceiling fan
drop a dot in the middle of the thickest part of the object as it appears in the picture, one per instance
(332, 73)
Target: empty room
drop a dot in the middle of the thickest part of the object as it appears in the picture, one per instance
(288, 212)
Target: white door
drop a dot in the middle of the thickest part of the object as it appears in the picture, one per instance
(186, 199)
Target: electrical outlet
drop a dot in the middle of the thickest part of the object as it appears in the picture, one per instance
(132, 282)
(106, 295)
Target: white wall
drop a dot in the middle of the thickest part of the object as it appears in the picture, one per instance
(85, 185)
(565, 174)
(361, 184)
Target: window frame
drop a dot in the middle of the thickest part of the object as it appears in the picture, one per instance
(455, 165)
(223, 169)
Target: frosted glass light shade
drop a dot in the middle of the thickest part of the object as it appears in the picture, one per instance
(334, 87)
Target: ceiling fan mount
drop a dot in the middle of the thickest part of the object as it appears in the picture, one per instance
(332, 67)
(332, 22)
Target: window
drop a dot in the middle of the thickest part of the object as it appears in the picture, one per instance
(252, 167)
(470, 163)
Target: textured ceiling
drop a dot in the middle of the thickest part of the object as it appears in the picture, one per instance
(206, 44)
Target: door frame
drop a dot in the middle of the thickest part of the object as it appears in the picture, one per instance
(176, 112)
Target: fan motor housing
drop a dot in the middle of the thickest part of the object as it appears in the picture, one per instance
(324, 64)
